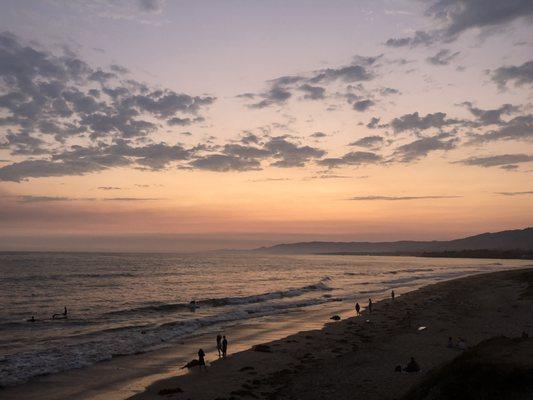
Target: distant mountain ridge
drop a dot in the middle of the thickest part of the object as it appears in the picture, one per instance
(505, 240)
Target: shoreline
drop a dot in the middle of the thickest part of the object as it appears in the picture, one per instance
(358, 355)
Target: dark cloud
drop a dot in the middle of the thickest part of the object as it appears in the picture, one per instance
(52, 95)
(371, 142)
(492, 116)
(457, 16)
(374, 123)
(388, 91)
(519, 74)
(362, 105)
(497, 160)
(152, 6)
(289, 154)
(225, 163)
(41, 199)
(19, 171)
(443, 57)
(318, 135)
(422, 147)
(399, 198)
(184, 121)
(276, 95)
(517, 128)
(515, 193)
(415, 122)
(313, 92)
(351, 73)
(419, 38)
(109, 188)
(352, 158)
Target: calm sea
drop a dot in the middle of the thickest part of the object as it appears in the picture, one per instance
(125, 303)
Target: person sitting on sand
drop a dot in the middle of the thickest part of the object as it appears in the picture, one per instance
(370, 305)
(450, 343)
(219, 345)
(201, 359)
(412, 366)
(461, 344)
(357, 309)
(224, 346)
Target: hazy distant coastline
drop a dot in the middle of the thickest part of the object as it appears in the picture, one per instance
(516, 243)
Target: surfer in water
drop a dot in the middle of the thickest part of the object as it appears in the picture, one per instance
(61, 316)
(32, 319)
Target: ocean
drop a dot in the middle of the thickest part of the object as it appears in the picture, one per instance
(120, 304)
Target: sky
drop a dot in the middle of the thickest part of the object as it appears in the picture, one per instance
(152, 125)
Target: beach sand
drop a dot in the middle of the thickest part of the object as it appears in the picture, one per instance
(355, 358)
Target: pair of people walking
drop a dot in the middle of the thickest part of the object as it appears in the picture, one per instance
(222, 345)
(358, 307)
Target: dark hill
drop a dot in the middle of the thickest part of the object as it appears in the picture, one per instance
(506, 240)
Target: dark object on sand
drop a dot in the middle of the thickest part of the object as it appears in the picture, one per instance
(262, 348)
(224, 346)
(191, 364)
(357, 308)
(335, 318)
(201, 359)
(412, 366)
(164, 392)
(496, 369)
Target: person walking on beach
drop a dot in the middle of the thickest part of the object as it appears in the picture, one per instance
(392, 295)
(370, 305)
(224, 346)
(201, 359)
(357, 309)
(219, 345)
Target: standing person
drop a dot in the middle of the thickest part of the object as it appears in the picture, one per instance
(357, 309)
(65, 312)
(201, 359)
(392, 295)
(370, 305)
(219, 345)
(224, 346)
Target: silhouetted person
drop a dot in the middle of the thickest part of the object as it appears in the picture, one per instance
(357, 309)
(369, 305)
(201, 359)
(450, 343)
(219, 345)
(64, 315)
(32, 319)
(65, 312)
(392, 295)
(412, 366)
(224, 346)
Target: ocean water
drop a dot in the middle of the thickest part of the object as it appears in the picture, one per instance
(121, 304)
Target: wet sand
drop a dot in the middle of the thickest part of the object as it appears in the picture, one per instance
(356, 357)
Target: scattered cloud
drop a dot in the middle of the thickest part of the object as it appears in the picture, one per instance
(443, 57)
(422, 147)
(497, 160)
(371, 142)
(519, 74)
(515, 193)
(399, 198)
(354, 158)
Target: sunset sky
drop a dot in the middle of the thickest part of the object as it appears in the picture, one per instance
(192, 125)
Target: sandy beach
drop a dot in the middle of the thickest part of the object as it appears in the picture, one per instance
(356, 357)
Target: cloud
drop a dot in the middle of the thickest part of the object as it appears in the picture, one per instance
(453, 17)
(313, 92)
(492, 116)
(399, 198)
(515, 193)
(152, 6)
(422, 147)
(370, 142)
(276, 95)
(443, 57)
(518, 128)
(41, 199)
(496, 160)
(415, 122)
(520, 74)
(363, 105)
(225, 163)
(62, 97)
(184, 121)
(318, 135)
(352, 158)
(109, 188)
